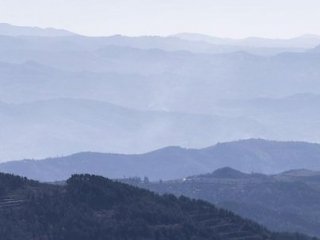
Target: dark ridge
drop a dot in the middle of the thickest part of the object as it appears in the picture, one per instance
(89, 207)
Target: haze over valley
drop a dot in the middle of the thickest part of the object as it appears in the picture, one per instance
(138, 94)
(159, 120)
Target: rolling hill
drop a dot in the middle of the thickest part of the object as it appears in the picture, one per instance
(201, 75)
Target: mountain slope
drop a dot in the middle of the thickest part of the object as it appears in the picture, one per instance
(90, 207)
(289, 201)
(174, 162)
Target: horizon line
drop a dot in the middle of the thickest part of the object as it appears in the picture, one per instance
(164, 35)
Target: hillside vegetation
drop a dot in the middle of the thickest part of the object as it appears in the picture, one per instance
(91, 207)
(289, 201)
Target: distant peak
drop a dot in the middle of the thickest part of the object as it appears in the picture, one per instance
(228, 172)
(170, 149)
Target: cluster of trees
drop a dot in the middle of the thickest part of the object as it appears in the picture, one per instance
(90, 207)
(9, 182)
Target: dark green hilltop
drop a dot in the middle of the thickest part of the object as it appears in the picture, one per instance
(90, 207)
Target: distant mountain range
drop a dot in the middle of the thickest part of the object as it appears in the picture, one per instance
(11, 30)
(179, 91)
(69, 125)
(304, 41)
(289, 201)
(91, 207)
(185, 41)
(206, 77)
(205, 42)
(227, 104)
(174, 162)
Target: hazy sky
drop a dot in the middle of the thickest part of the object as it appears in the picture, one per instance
(225, 18)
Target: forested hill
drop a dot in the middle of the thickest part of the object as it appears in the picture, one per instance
(91, 207)
(289, 201)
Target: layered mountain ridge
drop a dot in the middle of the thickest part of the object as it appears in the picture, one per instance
(253, 155)
(176, 92)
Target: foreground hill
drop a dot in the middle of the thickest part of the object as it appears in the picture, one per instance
(284, 202)
(174, 162)
(90, 207)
